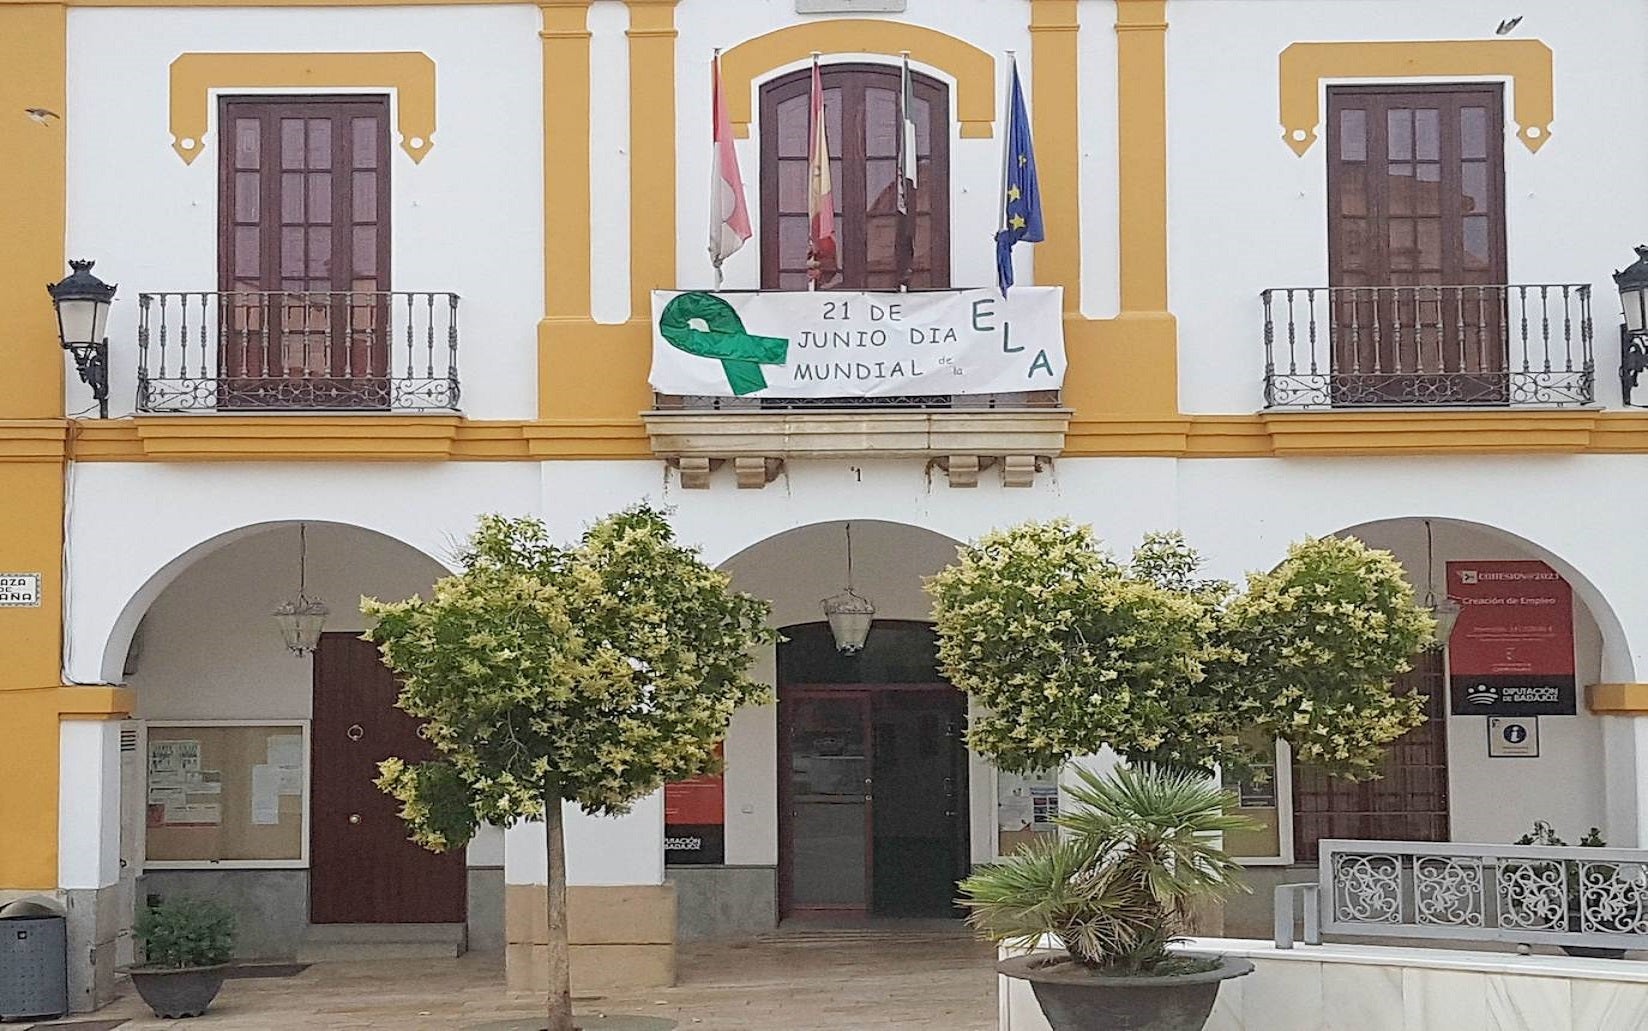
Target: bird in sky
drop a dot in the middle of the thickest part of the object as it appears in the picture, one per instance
(1507, 25)
(41, 115)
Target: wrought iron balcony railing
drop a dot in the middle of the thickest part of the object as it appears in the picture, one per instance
(1423, 346)
(297, 351)
(1577, 898)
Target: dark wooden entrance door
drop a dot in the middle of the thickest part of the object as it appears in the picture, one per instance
(873, 799)
(1409, 801)
(363, 870)
(1416, 244)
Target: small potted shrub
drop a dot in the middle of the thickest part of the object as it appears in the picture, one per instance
(187, 945)
(1138, 854)
(1545, 834)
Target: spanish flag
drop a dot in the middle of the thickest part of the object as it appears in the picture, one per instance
(822, 253)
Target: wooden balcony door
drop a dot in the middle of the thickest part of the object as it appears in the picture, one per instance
(1409, 801)
(304, 252)
(1416, 244)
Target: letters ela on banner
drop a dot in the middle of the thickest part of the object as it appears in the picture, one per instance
(845, 344)
(1512, 651)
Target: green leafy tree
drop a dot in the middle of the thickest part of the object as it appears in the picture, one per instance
(1069, 650)
(590, 674)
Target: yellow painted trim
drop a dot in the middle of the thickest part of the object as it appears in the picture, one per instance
(1055, 35)
(33, 433)
(1126, 367)
(1527, 62)
(33, 196)
(1617, 699)
(96, 702)
(409, 73)
(568, 252)
(34, 440)
(973, 69)
(652, 135)
(593, 433)
(261, 3)
(1141, 118)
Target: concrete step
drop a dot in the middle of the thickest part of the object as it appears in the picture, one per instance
(360, 942)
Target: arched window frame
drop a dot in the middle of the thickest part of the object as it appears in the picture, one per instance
(845, 87)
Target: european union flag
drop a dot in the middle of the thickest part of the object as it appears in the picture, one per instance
(1021, 189)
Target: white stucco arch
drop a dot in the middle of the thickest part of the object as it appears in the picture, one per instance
(1617, 663)
(134, 528)
(119, 639)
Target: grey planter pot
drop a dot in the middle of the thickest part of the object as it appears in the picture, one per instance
(173, 993)
(1074, 998)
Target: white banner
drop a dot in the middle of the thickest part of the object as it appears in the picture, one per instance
(839, 344)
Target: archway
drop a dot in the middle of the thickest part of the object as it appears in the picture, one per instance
(1535, 624)
(795, 570)
(253, 767)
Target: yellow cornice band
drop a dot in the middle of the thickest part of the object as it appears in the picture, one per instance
(1527, 62)
(409, 73)
(1617, 699)
(593, 434)
(973, 69)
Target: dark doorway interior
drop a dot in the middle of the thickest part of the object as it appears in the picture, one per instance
(872, 776)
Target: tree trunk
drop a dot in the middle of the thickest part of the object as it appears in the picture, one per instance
(560, 972)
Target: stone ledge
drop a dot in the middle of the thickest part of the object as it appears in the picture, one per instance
(960, 441)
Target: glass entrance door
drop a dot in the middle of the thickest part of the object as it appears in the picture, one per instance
(829, 764)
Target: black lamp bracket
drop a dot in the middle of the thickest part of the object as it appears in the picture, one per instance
(92, 362)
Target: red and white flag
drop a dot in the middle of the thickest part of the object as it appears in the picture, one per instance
(822, 260)
(729, 214)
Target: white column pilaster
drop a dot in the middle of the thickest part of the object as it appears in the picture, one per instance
(88, 820)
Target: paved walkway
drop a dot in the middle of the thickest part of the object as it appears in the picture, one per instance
(830, 981)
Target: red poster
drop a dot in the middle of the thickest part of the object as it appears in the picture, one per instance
(1512, 651)
(695, 802)
(695, 817)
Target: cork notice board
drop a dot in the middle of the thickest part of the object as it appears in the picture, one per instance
(226, 793)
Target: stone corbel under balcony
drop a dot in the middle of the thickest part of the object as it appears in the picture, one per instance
(960, 442)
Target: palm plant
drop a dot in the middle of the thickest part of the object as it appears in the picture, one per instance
(1119, 886)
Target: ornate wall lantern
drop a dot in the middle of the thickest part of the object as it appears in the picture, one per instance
(82, 303)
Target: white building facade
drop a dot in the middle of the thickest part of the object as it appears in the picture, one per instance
(1326, 267)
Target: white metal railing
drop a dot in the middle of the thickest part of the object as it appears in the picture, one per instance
(1527, 894)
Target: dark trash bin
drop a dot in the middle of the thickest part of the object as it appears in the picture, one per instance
(34, 961)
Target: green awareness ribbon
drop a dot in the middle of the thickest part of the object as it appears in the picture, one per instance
(723, 338)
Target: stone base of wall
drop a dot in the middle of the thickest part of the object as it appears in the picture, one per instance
(271, 907)
(719, 903)
(621, 937)
(486, 909)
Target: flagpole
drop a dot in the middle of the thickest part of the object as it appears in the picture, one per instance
(906, 246)
(715, 104)
(1007, 120)
(813, 269)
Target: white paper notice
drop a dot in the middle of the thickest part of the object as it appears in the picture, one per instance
(289, 780)
(285, 750)
(1014, 813)
(166, 796)
(194, 813)
(265, 795)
